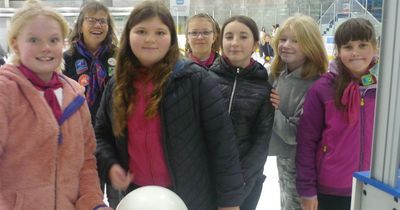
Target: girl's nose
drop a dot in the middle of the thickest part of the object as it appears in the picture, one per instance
(354, 53)
(46, 46)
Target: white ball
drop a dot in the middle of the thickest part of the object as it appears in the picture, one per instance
(151, 198)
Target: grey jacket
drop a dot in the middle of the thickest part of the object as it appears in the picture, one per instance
(292, 90)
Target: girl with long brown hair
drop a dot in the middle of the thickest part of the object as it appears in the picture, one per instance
(162, 122)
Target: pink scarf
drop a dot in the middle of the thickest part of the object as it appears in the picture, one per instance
(48, 88)
(352, 99)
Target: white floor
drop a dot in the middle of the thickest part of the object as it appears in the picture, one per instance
(270, 198)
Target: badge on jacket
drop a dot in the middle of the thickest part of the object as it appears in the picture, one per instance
(83, 80)
(81, 66)
(111, 62)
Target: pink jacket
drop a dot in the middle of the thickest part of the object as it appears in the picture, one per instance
(36, 170)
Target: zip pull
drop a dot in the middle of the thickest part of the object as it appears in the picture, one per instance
(362, 101)
(324, 148)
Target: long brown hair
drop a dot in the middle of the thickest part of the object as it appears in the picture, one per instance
(351, 30)
(310, 40)
(128, 64)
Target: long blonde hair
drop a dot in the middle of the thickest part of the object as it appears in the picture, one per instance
(31, 9)
(128, 64)
(310, 40)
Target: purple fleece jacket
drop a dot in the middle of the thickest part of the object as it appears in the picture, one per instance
(329, 148)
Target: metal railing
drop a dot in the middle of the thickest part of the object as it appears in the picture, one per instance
(340, 10)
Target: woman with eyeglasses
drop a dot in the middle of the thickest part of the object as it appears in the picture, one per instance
(202, 39)
(90, 60)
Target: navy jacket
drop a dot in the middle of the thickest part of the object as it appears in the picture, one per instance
(198, 139)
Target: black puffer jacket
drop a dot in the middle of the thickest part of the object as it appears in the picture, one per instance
(198, 138)
(247, 97)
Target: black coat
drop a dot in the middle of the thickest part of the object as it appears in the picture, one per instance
(73, 62)
(247, 95)
(198, 140)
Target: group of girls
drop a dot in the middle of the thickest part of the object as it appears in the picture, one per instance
(200, 127)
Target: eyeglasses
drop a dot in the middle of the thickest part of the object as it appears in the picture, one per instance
(92, 21)
(195, 34)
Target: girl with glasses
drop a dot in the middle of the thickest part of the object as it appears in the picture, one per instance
(202, 39)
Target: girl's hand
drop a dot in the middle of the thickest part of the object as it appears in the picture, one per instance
(8, 66)
(275, 100)
(309, 203)
(120, 179)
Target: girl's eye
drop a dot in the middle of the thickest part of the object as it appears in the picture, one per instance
(33, 40)
(140, 32)
(295, 41)
(228, 37)
(362, 45)
(243, 37)
(282, 40)
(347, 47)
(55, 40)
(161, 33)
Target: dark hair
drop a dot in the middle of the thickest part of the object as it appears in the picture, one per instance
(246, 21)
(111, 39)
(128, 64)
(353, 29)
(216, 31)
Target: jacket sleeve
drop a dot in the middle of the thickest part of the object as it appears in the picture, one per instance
(106, 151)
(286, 126)
(255, 158)
(220, 137)
(310, 130)
(4, 116)
(90, 194)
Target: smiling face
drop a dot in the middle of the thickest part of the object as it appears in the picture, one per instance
(290, 51)
(94, 29)
(357, 56)
(199, 42)
(238, 43)
(150, 41)
(39, 45)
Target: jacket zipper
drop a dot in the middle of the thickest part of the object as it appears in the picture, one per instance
(59, 141)
(233, 91)
(362, 125)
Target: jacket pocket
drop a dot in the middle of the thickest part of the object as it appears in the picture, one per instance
(12, 201)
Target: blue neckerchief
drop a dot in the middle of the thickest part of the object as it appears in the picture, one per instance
(97, 72)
